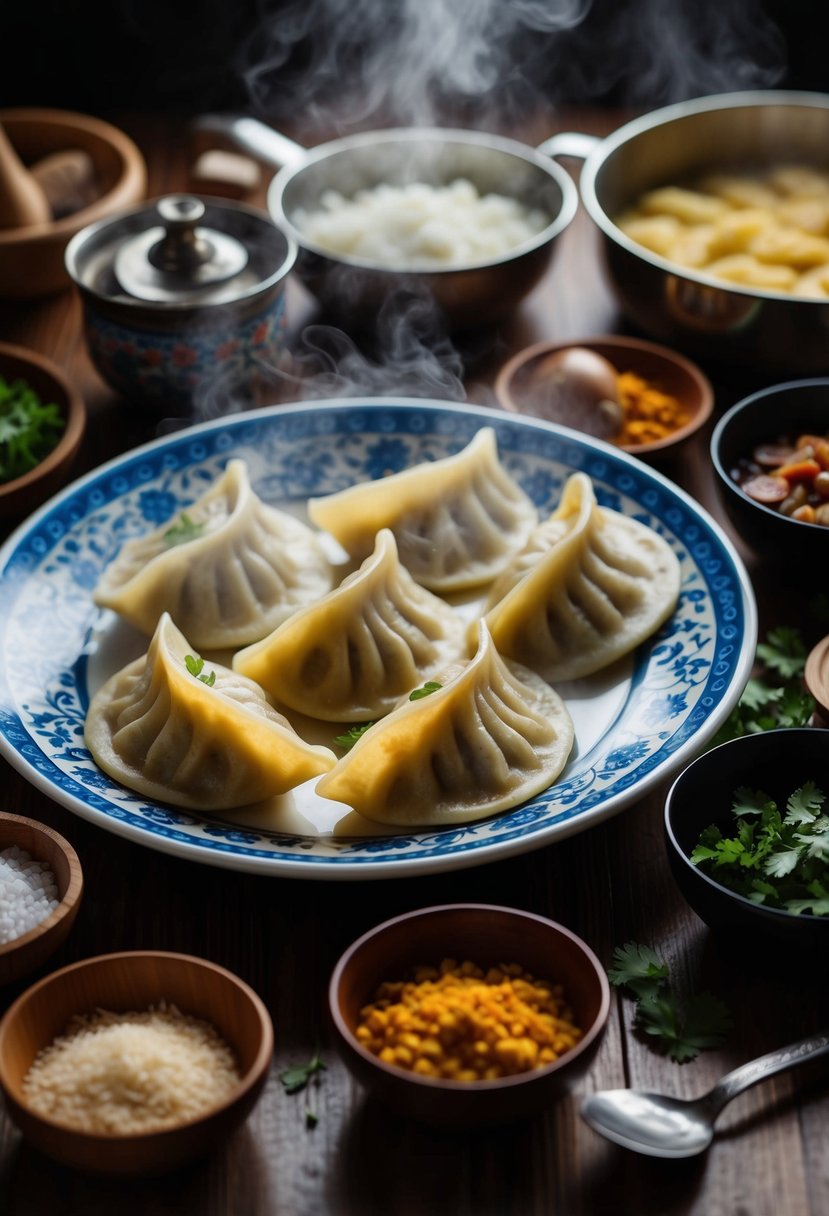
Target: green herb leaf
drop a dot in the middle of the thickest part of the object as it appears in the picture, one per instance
(352, 735)
(195, 667)
(185, 530)
(29, 429)
(783, 651)
(297, 1077)
(774, 697)
(778, 860)
(429, 687)
(680, 1033)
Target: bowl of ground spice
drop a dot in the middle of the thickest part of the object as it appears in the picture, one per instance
(134, 1063)
(41, 883)
(468, 1014)
(643, 398)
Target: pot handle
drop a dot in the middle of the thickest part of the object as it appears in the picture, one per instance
(569, 143)
(252, 136)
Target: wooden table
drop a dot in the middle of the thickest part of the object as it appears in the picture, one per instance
(610, 884)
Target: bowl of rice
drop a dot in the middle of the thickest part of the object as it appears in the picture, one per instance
(134, 1063)
(41, 884)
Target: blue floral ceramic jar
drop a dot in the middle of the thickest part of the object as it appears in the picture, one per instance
(184, 302)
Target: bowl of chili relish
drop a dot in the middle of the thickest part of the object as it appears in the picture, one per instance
(770, 453)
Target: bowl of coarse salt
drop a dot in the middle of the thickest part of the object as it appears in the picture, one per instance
(135, 1062)
(41, 883)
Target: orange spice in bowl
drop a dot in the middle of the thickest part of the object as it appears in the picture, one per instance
(656, 398)
(460, 1023)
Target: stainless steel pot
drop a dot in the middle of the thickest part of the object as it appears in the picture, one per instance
(682, 308)
(468, 295)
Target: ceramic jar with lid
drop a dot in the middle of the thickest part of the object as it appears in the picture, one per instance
(183, 301)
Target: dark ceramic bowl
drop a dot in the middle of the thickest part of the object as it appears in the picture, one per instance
(778, 762)
(784, 409)
(487, 935)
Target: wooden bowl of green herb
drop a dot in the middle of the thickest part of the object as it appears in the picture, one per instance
(747, 834)
(42, 422)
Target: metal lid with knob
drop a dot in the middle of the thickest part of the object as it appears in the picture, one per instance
(179, 261)
(180, 255)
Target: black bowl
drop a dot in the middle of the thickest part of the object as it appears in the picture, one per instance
(778, 762)
(792, 408)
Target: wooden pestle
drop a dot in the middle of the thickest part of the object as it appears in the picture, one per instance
(22, 201)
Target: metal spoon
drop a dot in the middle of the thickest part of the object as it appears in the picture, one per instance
(680, 1127)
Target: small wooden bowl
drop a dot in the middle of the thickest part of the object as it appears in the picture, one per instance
(23, 494)
(816, 679)
(486, 935)
(664, 368)
(25, 954)
(123, 983)
(31, 258)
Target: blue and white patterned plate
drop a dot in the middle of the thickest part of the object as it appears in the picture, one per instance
(635, 724)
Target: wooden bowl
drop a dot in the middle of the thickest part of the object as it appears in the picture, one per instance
(129, 982)
(31, 258)
(25, 954)
(816, 679)
(21, 495)
(664, 368)
(487, 935)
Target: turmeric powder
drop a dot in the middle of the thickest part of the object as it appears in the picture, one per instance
(460, 1023)
(648, 413)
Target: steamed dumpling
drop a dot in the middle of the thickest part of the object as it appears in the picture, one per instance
(228, 570)
(169, 734)
(457, 521)
(589, 586)
(492, 736)
(352, 656)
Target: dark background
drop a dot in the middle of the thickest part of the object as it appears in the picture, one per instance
(262, 55)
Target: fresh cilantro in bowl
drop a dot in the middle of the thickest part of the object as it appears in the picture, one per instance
(779, 858)
(29, 428)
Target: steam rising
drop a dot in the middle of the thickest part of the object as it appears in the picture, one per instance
(344, 63)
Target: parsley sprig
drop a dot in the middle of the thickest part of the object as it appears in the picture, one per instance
(352, 735)
(186, 529)
(297, 1077)
(773, 697)
(196, 668)
(680, 1031)
(780, 859)
(29, 429)
(428, 688)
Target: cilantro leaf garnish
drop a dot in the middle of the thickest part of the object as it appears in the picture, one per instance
(352, 735)
(779, 859)
(297, 1076)
(774, 696)
(29, 429)
(186, 529)
(195, 667)
(680, 1032)
(429, 687)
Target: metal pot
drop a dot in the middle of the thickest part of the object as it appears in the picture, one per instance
(681, 307)
(467, 295)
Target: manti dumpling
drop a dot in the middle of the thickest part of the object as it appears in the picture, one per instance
(457, 521)
(351, 656)
(195, 737)
(228, 570)
(589, 586)
(490, 737)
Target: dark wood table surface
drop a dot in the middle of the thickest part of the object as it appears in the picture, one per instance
(610, 884)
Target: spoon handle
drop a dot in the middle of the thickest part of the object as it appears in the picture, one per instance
(735, 1082)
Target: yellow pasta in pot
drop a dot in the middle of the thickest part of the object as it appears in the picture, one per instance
(658, 233)
(801, 181)
(789, 247)
(748, 271)
(814, 285)
(689, 206)
(739, 190)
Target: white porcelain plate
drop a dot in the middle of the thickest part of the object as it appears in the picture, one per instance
(635, 724)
